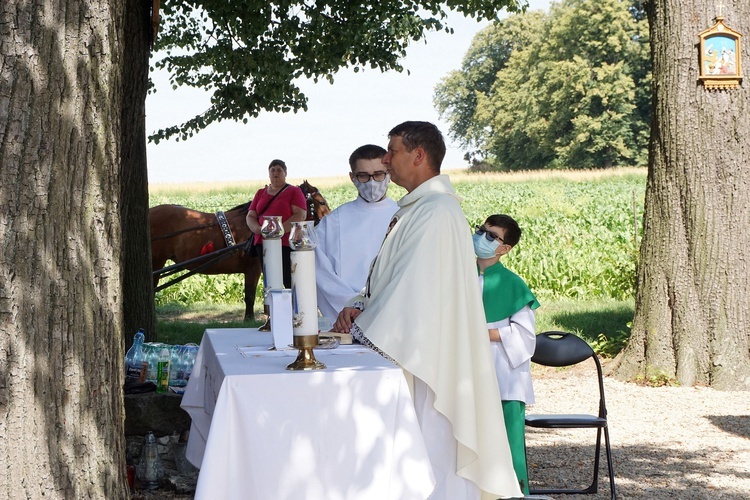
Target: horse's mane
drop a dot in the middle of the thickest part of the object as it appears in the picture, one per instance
(241, 206)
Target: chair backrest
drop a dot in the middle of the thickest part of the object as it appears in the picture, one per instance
(558, 349)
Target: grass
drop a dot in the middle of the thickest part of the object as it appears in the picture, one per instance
(604, 323)
(180, 324)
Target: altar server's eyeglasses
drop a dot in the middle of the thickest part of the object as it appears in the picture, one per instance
(365, 177)
(488, 234)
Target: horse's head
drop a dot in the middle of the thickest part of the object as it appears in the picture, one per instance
(317, 206)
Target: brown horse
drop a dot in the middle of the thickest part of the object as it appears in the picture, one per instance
(182, 235)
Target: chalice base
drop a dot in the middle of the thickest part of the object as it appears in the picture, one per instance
(306, 357)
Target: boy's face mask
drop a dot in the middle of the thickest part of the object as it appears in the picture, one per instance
(484, 248)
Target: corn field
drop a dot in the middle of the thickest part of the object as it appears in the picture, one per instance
(581, 230)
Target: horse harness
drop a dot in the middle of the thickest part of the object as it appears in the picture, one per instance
(226, 230)
(312, 214)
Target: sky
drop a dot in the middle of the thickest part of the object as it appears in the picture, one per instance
(358, 108)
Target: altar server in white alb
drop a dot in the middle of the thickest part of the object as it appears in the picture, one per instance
(509, 309)
(350, 236)
(422, 308)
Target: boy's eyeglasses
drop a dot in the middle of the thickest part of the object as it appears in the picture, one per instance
(364, 177)
(488, 234)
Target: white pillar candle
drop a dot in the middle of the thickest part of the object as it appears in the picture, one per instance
(273, 272)
(272, 266)
(304, 296)
(272, 229)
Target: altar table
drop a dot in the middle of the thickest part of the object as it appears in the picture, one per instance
(261, 432)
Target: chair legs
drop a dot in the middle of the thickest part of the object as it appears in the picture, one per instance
(593, 487)
(610, 467)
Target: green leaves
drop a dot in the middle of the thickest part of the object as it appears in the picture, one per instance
(575, 97)
(461, 96)
(249, 53)
(578, 239)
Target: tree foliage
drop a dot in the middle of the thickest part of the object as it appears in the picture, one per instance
(251, 53)
(572, 91)
(456, 97)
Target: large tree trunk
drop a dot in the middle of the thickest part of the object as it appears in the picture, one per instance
(138, 295)
(61, 404)
(692, 317)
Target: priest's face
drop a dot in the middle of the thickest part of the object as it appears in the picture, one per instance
(400, 163)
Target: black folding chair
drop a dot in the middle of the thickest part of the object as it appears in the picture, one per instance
(565, 349)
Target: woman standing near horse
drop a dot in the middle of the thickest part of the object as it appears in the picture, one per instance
(277, 198)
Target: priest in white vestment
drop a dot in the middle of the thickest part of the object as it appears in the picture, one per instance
(422, 309)
(350, 236)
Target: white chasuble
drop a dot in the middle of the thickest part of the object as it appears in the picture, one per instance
(424, 310)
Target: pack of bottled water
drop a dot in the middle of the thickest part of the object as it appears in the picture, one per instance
(142, 361)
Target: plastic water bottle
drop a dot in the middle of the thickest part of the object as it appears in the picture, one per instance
(162, 371)
(151, 352)
(176, 367)
(191, 351)
(135, 372)
(150, 468)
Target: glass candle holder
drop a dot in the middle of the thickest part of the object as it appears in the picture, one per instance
(272, 227)
(303, 236)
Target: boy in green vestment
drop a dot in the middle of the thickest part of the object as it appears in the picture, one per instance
(509, 310)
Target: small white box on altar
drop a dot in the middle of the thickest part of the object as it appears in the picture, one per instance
(281, 317)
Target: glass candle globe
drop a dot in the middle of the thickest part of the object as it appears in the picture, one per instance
(272, 227)
(303, 236)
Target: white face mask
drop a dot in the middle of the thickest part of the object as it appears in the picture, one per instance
(372, 190)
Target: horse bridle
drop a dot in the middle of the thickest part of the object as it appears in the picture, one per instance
(312, 214)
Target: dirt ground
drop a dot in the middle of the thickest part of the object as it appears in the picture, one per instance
(667, 442)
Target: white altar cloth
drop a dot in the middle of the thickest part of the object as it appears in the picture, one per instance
(262, 432)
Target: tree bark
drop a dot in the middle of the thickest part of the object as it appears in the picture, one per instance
(691, 317)
(61, 404)
(138, 294)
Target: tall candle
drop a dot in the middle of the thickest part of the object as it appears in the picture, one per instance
(303, 240)
(272, 230)
(272, 267)
(304, 296)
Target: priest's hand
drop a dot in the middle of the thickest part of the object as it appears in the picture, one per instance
(344, 321)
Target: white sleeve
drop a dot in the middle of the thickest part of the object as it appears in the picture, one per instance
(332, 291)
(517, 335)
